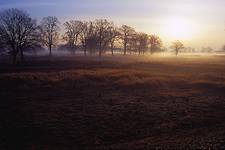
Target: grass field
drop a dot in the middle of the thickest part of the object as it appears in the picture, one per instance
(113, 103)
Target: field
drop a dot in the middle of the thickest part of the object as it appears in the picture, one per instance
(146, 102)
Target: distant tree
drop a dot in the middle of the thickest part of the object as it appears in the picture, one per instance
(142, 42)
(177, 46)
(50, 32)
(92, 44)
(102, 29)
(113, 36)
(206, 49)
(84, 36)
(92, 39)
(126, 33)
(155, 43)
(133, 43)
(73, 30)
(88, 37)
(18, 32)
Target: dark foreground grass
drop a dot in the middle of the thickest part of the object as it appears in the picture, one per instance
(113, 103)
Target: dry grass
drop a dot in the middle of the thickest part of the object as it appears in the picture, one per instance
(114, 103)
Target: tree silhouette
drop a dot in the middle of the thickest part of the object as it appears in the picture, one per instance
(113, 36)
(155, 43)
(84, 36)
(18, 31)
(73, 30)
(102, 28)
(132, 43)
(177, 46)
(50, 32)
(126, 33)
(92, 41)
(143, 42)
(88, 37)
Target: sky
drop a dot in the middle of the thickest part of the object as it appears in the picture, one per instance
(198, 23)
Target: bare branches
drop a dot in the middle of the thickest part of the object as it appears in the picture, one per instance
(73, 30)
(113, 37)
(18, 32)
(177, 46)
(126, 33)
(142, 43)
(50, 32)
(102, 30)
(155, 43)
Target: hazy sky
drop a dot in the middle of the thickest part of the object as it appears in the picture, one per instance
(196, 22)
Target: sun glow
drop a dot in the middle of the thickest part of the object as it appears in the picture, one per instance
(180, 28)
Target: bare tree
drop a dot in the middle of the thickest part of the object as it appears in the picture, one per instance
(50, 32)
(177, 46)
(102, 29)
(113, 36)
(84, 36)
(73, 30)
(18, 31)
(143, 43)
(88, 37)
(133, 43)
(155, 43)
(126, 33)
(92, 43)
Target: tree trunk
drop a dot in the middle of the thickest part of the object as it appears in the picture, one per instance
(176, 52)
(112, 51)
(125, 48)
(112, 46)
(21, 55)
(85, 51)
(75, 46)
(50, 50)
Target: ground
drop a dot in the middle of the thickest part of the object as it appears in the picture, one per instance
(113, 102)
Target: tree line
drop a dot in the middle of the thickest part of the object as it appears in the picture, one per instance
(19, 33)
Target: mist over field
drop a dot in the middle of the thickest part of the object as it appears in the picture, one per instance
(112, 75)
